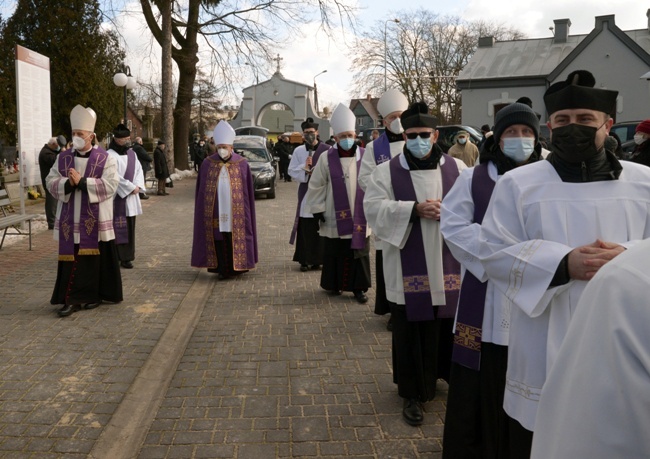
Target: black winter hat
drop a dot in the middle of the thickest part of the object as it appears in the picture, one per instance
(121, 131)
(516, 113)
(161, 142)
(61, 141)
(578, 91)
(417, 115)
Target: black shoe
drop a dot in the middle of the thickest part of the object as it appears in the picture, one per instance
(304, 268)
(127, 265)
(412, 412)
(92, 305)
(315, 267)
(389, 324)
(68, 310)
(143, 196)
(360, 296)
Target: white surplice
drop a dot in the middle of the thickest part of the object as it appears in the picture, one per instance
(126, 187)
(320, 197)
(224, 197)
(534, 220)
(368, 166)
(100, 190)
(462, 235)
(298, 172)
(390, 222)
(596, 401)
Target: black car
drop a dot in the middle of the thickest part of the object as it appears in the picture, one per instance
(262, 164)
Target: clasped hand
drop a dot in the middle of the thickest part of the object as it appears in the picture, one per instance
(585, 261)
(429, 209)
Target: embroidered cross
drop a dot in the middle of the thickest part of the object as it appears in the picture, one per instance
(466, 336)
(416, 284)
(343, 214)
(121, 222)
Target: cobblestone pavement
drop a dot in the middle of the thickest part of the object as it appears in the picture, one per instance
(265, 365)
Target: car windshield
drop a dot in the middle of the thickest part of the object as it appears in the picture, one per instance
(253, 155)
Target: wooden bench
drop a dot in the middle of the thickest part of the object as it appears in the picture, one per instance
(9, 219)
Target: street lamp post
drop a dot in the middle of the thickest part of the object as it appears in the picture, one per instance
(316, 91)
(396, 21)
(125, 80)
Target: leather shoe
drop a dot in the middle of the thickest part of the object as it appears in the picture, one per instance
(360, 296)
(127, 265)
(92, 305)
(68, 310)
(143, 196)
(315, 267)
(412, 412)
(304, 268)
(389, 324)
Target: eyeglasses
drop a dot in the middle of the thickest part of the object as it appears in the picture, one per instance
(422, 135)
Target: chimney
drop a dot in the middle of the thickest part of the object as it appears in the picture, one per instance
(561, 30)
(486, 42)
(368, 97)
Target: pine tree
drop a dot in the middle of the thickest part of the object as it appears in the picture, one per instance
(83, 59)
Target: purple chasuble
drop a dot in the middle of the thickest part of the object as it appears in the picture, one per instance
(471, 306)
(346, 223)
(206, 214)
(89, 217)
(381, 149)
(119, 203)
(417, 291)
(303, 187)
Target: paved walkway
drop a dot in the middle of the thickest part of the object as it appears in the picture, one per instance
(265, 365)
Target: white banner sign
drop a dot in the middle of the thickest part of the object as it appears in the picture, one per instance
(34, 111)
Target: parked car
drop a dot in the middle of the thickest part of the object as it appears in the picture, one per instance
(624, 130)
(447, 134)
(262, 164)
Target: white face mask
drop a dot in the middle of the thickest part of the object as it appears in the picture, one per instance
(462, 140)
(223, 153)
(639, 139)
(79, 142)
(518, 149)
(396, 126)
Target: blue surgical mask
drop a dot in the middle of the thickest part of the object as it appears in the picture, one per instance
(518, 149)
(346, 144)
(418, 147)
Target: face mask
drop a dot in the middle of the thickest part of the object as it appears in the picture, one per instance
(58, 148)
(201, 144)
(418, 147)
(575, 143)
(518, 149)
(310, 138)
(346, 144)
(396, 126)
(639, 139)
(223, 153)
(462, 140)
(78, 142)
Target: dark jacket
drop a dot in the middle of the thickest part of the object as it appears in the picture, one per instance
(641, 154)
(143, 157)
(160, 164)
(283, 150)
(46, 159)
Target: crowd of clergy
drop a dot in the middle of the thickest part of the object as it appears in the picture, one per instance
(491, 274)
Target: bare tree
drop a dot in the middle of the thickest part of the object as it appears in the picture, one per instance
(425, 53)
(235, 34)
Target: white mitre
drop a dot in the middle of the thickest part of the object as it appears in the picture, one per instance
(342, 120)
(223, 134)
(83, 119)
(392, 101)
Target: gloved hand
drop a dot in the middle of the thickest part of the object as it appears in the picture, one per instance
(320, 216)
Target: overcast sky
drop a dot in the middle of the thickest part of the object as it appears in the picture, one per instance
(308, 56)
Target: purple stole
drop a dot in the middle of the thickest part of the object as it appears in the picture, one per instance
(346, 223)
(417, 290)
(471, 307)
(381, 149)
(89, 218)
(119, 203)
(303, 187)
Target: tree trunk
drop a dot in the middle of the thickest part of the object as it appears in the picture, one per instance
(167, 81)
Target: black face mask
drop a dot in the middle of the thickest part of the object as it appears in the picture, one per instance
(310, 138)
(575, 143)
